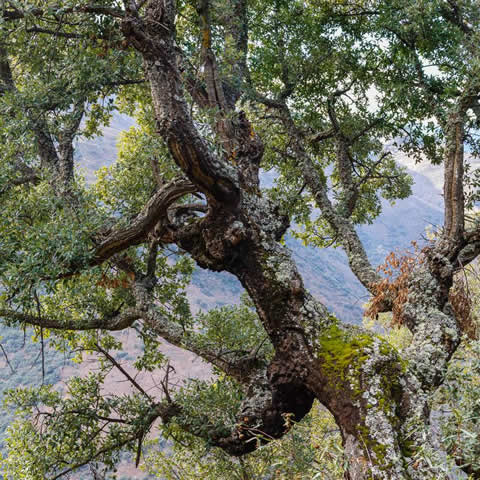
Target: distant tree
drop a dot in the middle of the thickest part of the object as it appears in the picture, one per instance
(320, 92)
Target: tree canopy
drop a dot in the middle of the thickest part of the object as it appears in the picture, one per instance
(321, 93)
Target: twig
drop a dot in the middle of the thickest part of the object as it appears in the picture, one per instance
(122, 370)
(6, 358)
(164, 382)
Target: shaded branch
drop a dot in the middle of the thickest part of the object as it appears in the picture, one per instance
(320, 136)
(61, 165)
(261, 417)
(370, 125)
(139, 228)
(238, 365)
(119, 322)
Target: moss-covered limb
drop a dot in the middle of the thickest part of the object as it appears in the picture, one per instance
(357, 376)
(241, 232)
(378, 402)
(454, 128)
(428, 313)
(245, 243)
(360, 378)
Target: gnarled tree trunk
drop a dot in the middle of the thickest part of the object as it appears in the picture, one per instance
(377, 398)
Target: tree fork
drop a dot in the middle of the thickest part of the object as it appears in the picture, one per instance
(315, 357)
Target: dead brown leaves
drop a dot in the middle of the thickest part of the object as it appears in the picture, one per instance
(394, 287)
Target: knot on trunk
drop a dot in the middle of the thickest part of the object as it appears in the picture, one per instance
(236, 233)
(223, 238)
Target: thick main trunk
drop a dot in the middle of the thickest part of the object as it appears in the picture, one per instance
(356, 375)
(373, 396)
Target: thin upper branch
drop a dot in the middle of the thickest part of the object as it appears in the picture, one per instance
(341, 224)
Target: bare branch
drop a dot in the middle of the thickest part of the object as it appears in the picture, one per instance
(122, 370)
(6, 358)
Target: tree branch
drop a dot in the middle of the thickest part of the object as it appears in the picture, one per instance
(153, 37)
(118, 446)
(139, 228)
(341, 224)
(260, 418)
(119, 322)
(13, 13)
(453, 189)
(117, 365)
(320, 136)
(55, 33)
(32, 178)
